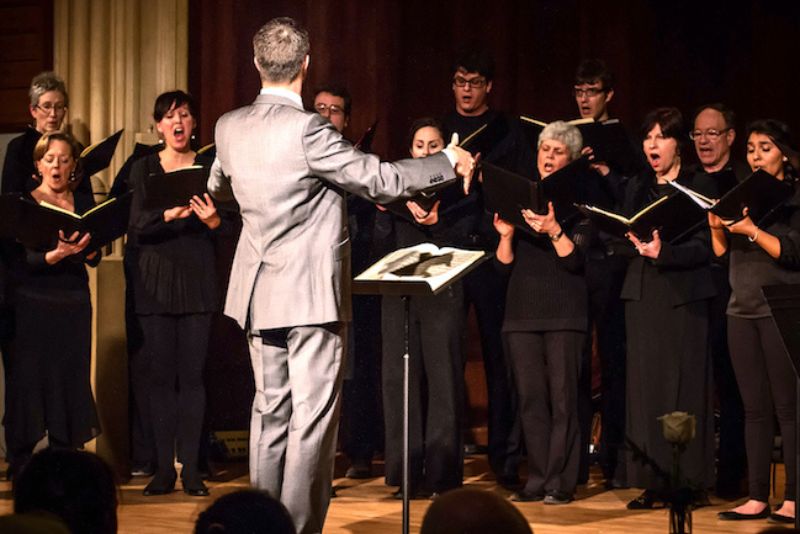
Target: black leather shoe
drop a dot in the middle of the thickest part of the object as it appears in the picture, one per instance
(509, 482)
(413, 494)
(194, 486)
(527, 496)
(557, 497)
(142, 471)
(161, 484)
(359, 470)
(645, 501)
(731, 515)
(780, 519)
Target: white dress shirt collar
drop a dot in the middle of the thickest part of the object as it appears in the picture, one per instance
(285, 93)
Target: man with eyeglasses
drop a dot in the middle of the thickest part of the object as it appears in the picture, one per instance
(713, 135)
(593, 89)
(471, 227)
(360, 420)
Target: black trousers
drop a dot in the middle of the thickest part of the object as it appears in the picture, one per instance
(361, 423)
(436, 389)
(486, 290)
(546, 373)
(604, 278)
(177, 347)
(767, 382)
(731, 464)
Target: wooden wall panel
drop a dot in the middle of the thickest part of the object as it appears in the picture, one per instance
(26, 48)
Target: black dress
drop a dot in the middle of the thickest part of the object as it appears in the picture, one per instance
(175, 294)
(49, 366)
(668, 360)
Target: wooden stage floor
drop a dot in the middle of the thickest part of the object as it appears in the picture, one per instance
(366, 507)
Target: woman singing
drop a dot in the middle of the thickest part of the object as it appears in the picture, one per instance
(48, 383)
(545, 327)
(666, 292)
(763, 253)
(175, 296)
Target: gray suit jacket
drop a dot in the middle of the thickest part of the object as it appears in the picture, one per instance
(287, 169)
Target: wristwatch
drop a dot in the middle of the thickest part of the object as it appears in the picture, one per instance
(557, 236)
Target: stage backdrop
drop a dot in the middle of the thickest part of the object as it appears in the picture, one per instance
(395, 57)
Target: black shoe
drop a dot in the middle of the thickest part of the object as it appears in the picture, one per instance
(645, 501)
(731, 515)
(142, 470)
(413, 494)
(557, 497)
(613, 483)
(162, 484)
(527, 496)
(778, 518)
(509, 482)
(359, 470)
(193, 485)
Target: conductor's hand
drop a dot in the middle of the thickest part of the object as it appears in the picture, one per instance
(67, 246)
(205, 210)
(465, 163)
(178, 212)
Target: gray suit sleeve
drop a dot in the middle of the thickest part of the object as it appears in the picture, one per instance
(218, 184)
(332, 158)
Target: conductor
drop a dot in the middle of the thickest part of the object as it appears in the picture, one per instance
(290, 280)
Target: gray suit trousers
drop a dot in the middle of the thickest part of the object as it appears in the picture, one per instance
(298, 378)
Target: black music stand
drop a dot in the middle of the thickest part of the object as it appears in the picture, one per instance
(784, 302)
(399, 287)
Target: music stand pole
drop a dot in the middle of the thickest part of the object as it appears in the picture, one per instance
(406, 381)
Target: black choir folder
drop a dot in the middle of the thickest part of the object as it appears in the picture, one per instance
(609, 141)
(673, 216)
(98, 156)
(761, 193)
(507, 193)
(174, 188)
(38, 224)
(421, 269)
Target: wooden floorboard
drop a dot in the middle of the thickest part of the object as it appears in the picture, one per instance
(366, 507)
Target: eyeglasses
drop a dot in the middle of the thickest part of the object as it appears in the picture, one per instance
(475, 83)
(332, 109)
(710, 134)
(591, 92)
(47, 107)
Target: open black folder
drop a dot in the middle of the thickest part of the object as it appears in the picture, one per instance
(174, 188)
(674, 216)
(98, 156)
(38, 224)
(507, 193)
(761, 193)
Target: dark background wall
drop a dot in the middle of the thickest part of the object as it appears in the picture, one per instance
(396, 56)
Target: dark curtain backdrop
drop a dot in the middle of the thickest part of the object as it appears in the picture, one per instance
(395, 57)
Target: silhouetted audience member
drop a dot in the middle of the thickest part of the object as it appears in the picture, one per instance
(248, 511)
(76, 486)
(471, 511)
(33, 523)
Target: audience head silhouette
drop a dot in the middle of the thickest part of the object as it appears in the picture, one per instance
(76, 486)
(245, 512)
(471, 511)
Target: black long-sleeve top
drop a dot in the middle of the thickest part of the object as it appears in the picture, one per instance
(751, 267)
(546, 292)
(68, 274)
(686, 262)
(175, 270)
(470, 225)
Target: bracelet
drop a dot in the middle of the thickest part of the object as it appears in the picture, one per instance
(557, 236)
(754, 237)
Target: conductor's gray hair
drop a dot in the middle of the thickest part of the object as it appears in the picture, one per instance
(45, 82)
(280, 47)
(566, 133)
